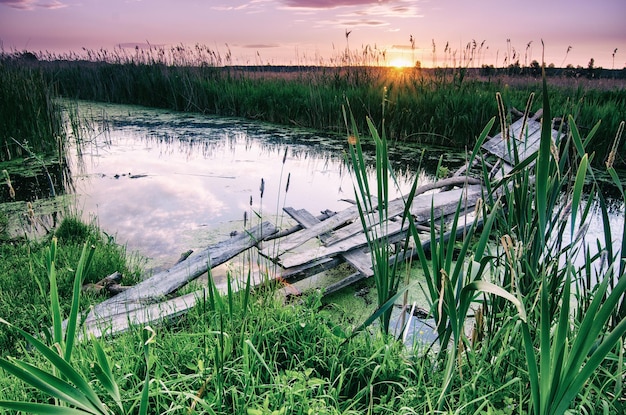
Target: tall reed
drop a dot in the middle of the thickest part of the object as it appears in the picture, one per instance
(563, 347)
(29, 113)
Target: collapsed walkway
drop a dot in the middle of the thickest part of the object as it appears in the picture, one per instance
(315, 245)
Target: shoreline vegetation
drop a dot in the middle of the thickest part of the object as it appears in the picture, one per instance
(548, 334)
(443, 106)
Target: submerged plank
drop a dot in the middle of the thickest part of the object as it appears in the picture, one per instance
(152, 290)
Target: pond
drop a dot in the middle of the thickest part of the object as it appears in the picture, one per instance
(165, 182)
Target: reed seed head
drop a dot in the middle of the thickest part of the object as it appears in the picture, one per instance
(9, 184)
(554, 150)
(611, 158)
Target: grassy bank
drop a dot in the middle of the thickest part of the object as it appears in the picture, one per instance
(439, 106)
(423, 107)
(24, 286)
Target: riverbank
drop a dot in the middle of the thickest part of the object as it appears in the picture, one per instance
(431, 106)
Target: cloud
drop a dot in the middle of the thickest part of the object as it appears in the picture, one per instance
(331, 4)
(32, 4)
(343, 23)
(353, 13)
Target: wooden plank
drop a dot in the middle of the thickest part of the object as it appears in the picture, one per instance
(294, 240)
(359, 259)
(403, 256)
(323, 216)
(527, 141)
(122, 320)
(303, 271)
(448, 202)
(421, 203)
(153, 289)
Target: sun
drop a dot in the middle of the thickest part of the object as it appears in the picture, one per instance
(400, 63)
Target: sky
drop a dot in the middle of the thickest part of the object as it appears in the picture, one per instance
(312, 32)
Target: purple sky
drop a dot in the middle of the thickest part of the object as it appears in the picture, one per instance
(314, 31)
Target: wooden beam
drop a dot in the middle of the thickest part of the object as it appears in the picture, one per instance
(140, 298)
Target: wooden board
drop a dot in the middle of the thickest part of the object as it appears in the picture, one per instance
(153, 290)
(359, 259)
(446, 204)
(421, 205)
(526, 141)
(296, 239)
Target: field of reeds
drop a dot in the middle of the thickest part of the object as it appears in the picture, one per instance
(443, 106)
(548, 304)
(30, 119)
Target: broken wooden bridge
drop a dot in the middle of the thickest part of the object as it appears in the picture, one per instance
(314, 245)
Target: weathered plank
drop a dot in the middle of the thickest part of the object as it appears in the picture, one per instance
(421, 203)
(152, 290)
(464, 225)
(444, 204)
(359, 259)
(526, 140)
(303, 271)
(294, 240)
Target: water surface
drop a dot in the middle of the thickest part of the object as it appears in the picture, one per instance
(165, 182)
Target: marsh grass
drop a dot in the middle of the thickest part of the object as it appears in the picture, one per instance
(29, 112)
(423, 107)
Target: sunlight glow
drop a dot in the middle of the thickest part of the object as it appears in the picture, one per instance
(400, 63)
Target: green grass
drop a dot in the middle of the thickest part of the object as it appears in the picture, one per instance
(24, 285)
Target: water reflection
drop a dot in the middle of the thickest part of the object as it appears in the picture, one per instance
(166, 182)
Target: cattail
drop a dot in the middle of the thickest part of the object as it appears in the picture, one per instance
(262, 188)
(285, 155)
(288, 179)
(250, 200)
(478, 209)
(245, 217)
(554, 150)
(611, 158)
(11, 190)
(30, 212)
